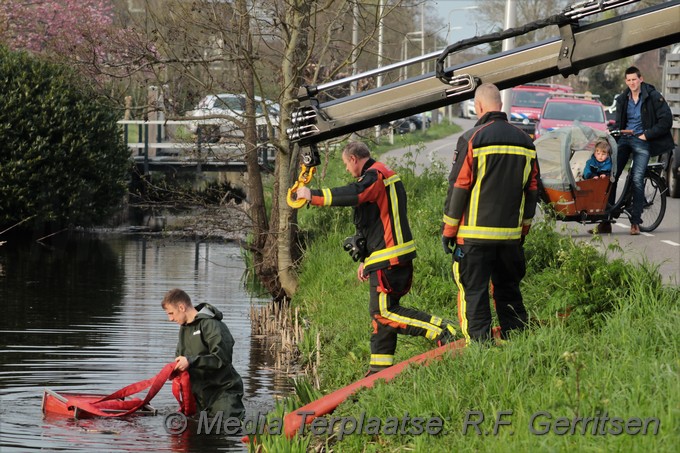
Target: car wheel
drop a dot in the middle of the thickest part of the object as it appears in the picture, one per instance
(412, 127)
(672, 175)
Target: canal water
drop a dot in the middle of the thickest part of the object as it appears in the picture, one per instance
(83, 314)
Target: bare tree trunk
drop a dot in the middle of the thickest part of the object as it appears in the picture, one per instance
(294, 58)
(264, 264)
(284, 222)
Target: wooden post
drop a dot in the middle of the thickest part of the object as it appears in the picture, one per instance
(128, 108)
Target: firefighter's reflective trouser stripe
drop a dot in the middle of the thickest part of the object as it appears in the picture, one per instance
(389, 318)
(502, 265)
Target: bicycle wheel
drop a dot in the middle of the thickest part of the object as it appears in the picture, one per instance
(655, 202)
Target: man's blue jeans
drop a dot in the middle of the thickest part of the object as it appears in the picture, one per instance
(640, 149)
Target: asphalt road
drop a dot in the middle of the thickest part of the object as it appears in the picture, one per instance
(660, 247)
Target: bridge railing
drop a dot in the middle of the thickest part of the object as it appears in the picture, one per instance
(156, 144)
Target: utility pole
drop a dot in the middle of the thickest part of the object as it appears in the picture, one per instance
(355, 44)
(510, 21)
(379, 80)
(422, 36)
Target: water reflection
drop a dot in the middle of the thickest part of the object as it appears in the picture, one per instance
(84, 316)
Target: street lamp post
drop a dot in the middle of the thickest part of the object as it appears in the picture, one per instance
(448, 31)
(404, 50)
(381, 36)
(510, 20)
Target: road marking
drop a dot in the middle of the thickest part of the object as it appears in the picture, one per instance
(674, 244)
(624, 226)
(445, 145)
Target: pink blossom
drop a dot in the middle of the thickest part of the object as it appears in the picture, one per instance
(53, 25)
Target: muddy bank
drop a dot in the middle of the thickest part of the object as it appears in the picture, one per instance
(230, 223)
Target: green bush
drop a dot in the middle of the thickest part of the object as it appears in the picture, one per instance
(62, 160)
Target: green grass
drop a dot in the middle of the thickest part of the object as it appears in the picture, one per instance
(616, 352)
(628, 368)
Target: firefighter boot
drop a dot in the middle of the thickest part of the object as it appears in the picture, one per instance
(448, 334)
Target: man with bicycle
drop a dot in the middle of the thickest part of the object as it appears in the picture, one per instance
(643, 111)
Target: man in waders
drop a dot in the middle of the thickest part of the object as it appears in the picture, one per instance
(204, 349)
(385, 249)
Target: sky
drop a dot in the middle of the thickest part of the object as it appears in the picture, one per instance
(459, 16)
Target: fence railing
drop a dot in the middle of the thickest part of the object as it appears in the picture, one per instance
(156, 143)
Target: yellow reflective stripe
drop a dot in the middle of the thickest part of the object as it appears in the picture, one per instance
(390, 185)
(462, 303)
(479, 232)
(436, 320)
(382, 359)
(471, 230)
(476, 189)
(496, 149)
(525, 178)
(481, 154)
(391, 180)
(327, 197)
(526, 222)
(390, 252)
(431, 331)
(450, 220)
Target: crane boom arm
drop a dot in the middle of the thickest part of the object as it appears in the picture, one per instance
(577, 47)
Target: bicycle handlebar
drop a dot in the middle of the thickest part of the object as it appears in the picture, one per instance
(620, 132)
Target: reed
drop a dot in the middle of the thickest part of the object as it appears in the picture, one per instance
(279, 326)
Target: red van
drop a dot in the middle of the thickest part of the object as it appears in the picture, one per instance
(528, 101)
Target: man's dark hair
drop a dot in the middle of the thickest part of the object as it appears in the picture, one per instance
(358, 149)
(633, 70)
(175, 297)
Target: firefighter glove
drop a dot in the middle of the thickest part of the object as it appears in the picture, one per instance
(449, 243)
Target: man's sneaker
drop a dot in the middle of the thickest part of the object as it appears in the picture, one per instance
(634, 230)
(602, 228)
(447, 336)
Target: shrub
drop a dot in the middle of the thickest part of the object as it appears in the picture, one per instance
(63, 162)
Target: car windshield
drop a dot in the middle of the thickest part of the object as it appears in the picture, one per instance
(233, 103)
(574, 112)
(534, 99)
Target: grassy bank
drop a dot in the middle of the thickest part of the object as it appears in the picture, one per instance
(615, 355)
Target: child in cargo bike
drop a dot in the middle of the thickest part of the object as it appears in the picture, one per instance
(562, 156)
(600, 163)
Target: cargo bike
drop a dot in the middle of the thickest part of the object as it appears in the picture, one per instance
(562, 155)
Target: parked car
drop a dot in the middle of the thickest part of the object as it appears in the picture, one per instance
(467, 109)
(419, 121)
(222, 114)
(561, 110)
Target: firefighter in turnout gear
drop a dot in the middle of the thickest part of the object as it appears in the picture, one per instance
(491, 200)
(385, 249)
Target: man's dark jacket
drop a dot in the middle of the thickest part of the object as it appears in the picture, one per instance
(208, 346)
(657, 118)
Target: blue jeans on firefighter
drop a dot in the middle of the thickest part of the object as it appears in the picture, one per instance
(640, 149)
